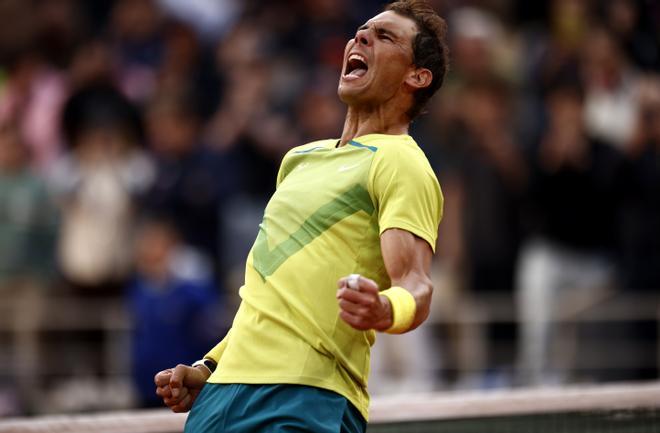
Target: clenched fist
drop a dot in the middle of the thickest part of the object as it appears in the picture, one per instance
(361, 305)
(179, 386)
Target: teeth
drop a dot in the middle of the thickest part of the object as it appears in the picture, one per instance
(358, 57)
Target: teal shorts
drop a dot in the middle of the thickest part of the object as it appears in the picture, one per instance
(281, 408)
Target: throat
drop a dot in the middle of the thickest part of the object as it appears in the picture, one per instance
(358, 124)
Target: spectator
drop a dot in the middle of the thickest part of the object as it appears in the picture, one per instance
(488, 175)
(187, 68)
(138, 43)
(27, 219)
(568, 260)
(634, 30)
(173, 303)
(320, 114)
(211, 18)
(33, 92)
(640, 247)
(191, 180)
(473, 145)
(610, 104)
(96, 184)
(642, 211)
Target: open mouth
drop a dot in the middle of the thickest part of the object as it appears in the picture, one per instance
(356, 66)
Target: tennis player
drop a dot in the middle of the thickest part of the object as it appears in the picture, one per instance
(344, 250)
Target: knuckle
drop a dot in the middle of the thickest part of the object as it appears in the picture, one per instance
(161, 376)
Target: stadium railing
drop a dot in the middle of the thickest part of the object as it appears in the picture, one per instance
(621, 408)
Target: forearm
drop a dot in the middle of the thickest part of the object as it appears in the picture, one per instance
(408, 262)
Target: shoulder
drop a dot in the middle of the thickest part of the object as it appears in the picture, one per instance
(299, 152)
(311, 146)
(295, 155)
(400, 163)
(401, 152)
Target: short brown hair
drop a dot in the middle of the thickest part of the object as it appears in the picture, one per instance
(430, 49)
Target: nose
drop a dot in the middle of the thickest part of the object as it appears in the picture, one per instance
(363, 36)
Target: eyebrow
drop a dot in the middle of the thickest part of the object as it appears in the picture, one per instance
(380, 30)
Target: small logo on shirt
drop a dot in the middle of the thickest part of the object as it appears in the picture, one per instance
(348, 167)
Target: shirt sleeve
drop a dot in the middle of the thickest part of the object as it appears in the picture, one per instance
(216, 353)
(406, 192)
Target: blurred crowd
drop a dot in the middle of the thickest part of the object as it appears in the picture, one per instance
(140, 140)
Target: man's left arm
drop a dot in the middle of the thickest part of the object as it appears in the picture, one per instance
(407, 260)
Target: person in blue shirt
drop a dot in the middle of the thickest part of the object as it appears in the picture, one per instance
(173, 302)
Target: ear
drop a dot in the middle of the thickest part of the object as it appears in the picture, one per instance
(419, 78)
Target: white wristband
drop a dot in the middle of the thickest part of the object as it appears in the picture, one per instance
(206, 363)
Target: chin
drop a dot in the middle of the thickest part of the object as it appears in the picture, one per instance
(350, 95)
(344, 94)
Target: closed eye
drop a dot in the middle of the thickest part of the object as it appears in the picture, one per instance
(384, 34)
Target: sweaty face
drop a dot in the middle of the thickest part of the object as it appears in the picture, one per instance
(377, 60)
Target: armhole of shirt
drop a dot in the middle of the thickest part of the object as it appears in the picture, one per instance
(280, 172)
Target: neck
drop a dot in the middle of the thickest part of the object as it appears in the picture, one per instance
(380, 120)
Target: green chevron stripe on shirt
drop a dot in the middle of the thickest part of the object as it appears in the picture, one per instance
(266, 261)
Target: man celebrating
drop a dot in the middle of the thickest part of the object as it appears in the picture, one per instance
(297, 355)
